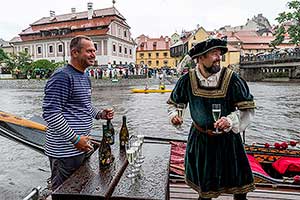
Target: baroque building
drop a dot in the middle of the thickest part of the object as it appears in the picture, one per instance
(154, 52)
(49, 37)
(188, 39)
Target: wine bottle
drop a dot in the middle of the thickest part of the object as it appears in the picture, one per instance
(110, 132)
(124, 134)
(105, 155)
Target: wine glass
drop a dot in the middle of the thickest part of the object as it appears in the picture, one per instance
(136, 164)
(216, 112)
(180, 112)
(130, 154)
(141, 142)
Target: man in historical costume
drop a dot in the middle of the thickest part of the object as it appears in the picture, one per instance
(215, 163)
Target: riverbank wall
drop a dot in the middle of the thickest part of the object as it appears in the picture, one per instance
(40, 84)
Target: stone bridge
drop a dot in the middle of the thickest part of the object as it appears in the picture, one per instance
(256, 68)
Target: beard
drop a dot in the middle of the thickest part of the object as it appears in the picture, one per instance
(213, 69)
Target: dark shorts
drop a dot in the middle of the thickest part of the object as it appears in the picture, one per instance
(63, 168)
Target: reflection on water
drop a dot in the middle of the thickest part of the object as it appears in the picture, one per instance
(277, 119)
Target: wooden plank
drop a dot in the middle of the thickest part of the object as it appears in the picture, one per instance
(154, 180)
(181, 191)
(90, 182)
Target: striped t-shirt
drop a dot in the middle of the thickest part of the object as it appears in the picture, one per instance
(68, 111)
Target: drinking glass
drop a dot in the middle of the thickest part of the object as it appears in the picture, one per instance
(216, 112)
(180, 113)
(136, 164)
(130, 154)
(141, 142)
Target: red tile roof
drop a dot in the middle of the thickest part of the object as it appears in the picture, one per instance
(80, 15)
(101, 20)
(256, 39)
(144, 43)
(256, 46)
(232, 49)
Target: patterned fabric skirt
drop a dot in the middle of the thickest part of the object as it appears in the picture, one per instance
(217, 164)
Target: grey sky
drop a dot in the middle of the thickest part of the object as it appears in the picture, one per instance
(149, 17)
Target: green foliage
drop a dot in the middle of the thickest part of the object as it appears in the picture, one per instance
(293, 15)
(279, 36)
(3, 55)
(18, 62)
(42, 64)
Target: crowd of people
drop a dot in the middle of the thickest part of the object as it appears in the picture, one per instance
(126, 72)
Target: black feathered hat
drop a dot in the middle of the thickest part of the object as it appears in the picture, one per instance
(207, 45)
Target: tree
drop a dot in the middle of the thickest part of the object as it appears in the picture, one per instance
(20, 61)
(3, 55)
(293, 16)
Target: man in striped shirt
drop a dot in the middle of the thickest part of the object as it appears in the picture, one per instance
(68, 111)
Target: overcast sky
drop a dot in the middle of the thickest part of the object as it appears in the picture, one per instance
(149, 17)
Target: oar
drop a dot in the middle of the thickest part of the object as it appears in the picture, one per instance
(6, 117)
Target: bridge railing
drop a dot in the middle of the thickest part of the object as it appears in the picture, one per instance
(272, 58)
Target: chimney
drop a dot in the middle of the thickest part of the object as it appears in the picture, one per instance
(73, 10)
(52, 13)
(90, 10)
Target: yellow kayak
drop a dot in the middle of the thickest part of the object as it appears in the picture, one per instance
(150, 90)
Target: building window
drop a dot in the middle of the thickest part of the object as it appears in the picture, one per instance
(105, 47)
(165, 62)
(149, 55)
(120, 49)
(114, 48)
(157, 55)
(157, 62)
(96, 46)
(120, 62)
(149, 62)
(125, 50)
(165, 54)
(39, 50)
(26, 50)
(130, 51)
(125, 33)
(60, 48)
(114, 62)
(50, 49)
(141, 55)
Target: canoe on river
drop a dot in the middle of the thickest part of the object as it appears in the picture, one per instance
(30, 132)
(135, 90)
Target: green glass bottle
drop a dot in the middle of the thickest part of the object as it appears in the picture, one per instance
(110, 132)
(124, 134)
(106, 157)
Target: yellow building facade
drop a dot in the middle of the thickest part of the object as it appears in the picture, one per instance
(155, 58)
(154, 52)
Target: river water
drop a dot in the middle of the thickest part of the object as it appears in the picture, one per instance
(277, 119)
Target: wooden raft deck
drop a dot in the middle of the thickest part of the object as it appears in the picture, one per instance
(181, 191)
